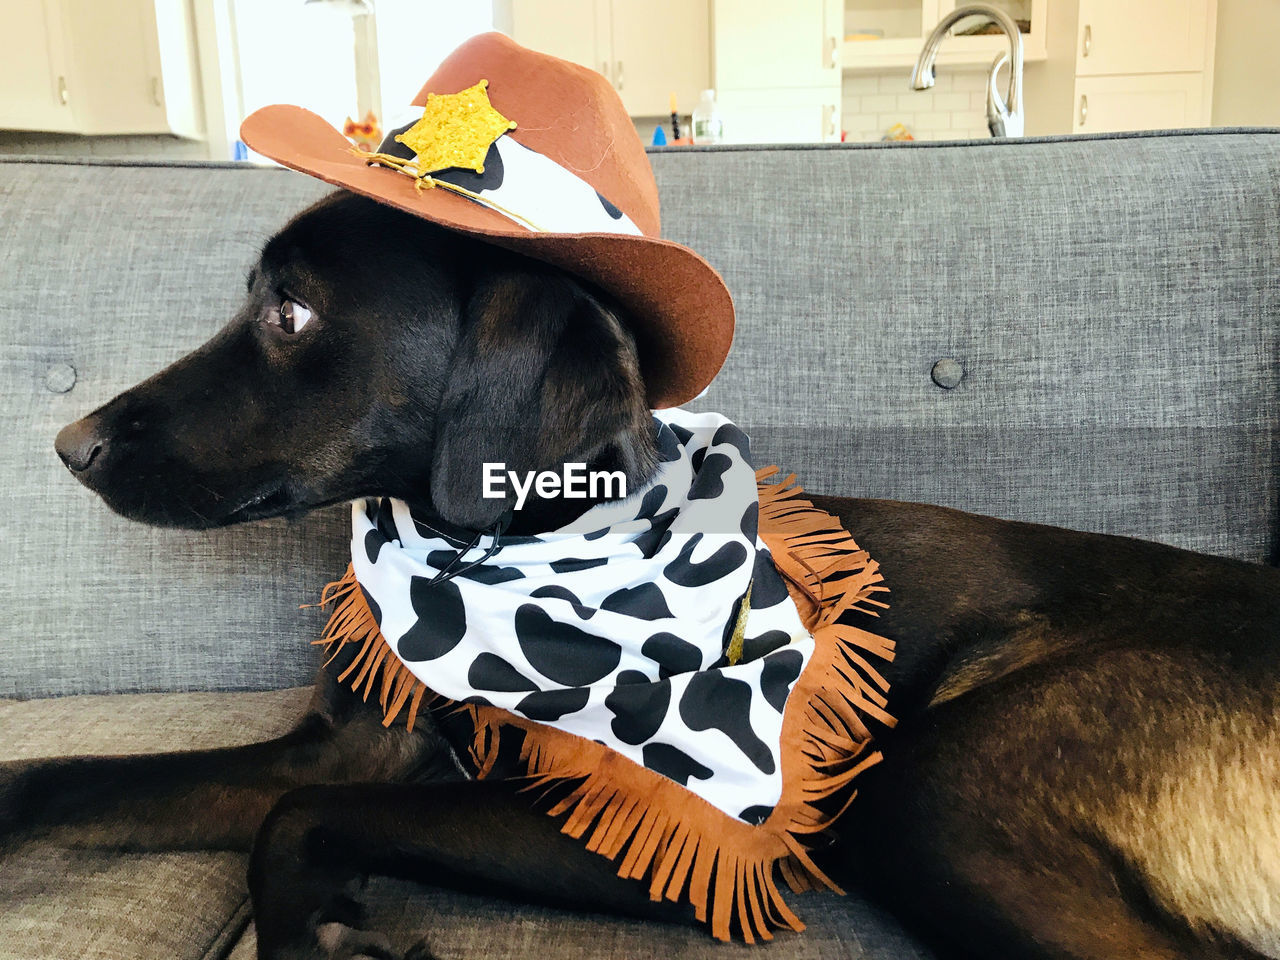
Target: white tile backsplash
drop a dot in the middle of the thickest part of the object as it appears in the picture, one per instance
(969, 80)
(953, 102)
(955, 109)
(858, 84)
(877, 103)
(934, 121)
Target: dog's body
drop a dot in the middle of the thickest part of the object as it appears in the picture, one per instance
(1085, 763)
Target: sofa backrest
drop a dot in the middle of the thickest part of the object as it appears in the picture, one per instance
(1111, 307)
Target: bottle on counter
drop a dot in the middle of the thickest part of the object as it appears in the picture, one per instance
(708, 127)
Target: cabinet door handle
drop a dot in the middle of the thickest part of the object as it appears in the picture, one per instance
(64, 95)
(1084, 109)
(617, 77)
(604, 69)
(829, 116)
(156, 96)
(831, 56)
(1088, 40)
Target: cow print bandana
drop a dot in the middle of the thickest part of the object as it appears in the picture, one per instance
(656, 625)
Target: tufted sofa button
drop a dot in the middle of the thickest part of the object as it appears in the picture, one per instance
(947, 373)
(60, 378)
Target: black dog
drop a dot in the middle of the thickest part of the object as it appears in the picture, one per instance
(1087, 762)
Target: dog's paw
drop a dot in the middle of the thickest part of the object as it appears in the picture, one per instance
(338, 941)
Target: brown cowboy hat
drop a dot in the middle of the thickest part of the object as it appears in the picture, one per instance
(680, 308)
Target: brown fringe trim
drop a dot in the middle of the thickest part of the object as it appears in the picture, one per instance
(652, 826)
(353, 622)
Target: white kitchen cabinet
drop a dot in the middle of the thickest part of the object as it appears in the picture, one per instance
(648, 49)
(1140, 36)
(566, 29)
(1123, 65)
(101, 67)
(1155, 101)
(762, 45)
(134, 66)
(777, 69)
(779, 116)
(34, 92)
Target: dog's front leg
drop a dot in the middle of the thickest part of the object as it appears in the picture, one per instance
(210, 799)
(320, 841)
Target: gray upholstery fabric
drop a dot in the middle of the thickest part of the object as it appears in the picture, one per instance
(59, 903)
(146, 722)
(457, 925)
(1113, 303)
(145, 264)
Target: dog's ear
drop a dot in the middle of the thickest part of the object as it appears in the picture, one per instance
(544, 373)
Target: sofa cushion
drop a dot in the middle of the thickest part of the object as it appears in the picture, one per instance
(173, 906)
(145, 723)
(97, 296)
(1112, 304)
(96, 905)
(458, 925)
(57, 903)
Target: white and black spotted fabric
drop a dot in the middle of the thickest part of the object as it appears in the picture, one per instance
(616, 627)
(541, 193)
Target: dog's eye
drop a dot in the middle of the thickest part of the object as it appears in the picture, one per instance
(293, 316)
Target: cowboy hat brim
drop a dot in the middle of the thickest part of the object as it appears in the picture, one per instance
(680, 309)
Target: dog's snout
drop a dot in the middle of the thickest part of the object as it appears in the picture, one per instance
(80, 444)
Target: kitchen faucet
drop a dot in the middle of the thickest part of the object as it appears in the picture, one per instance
(1004, 117)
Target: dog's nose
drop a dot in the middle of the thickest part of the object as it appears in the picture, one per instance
(81, 443)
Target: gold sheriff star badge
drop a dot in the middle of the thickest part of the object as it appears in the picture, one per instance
(456, 130)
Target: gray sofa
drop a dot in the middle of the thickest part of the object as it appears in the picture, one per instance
(1111, 308)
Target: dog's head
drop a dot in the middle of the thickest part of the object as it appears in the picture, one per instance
(375, 355)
